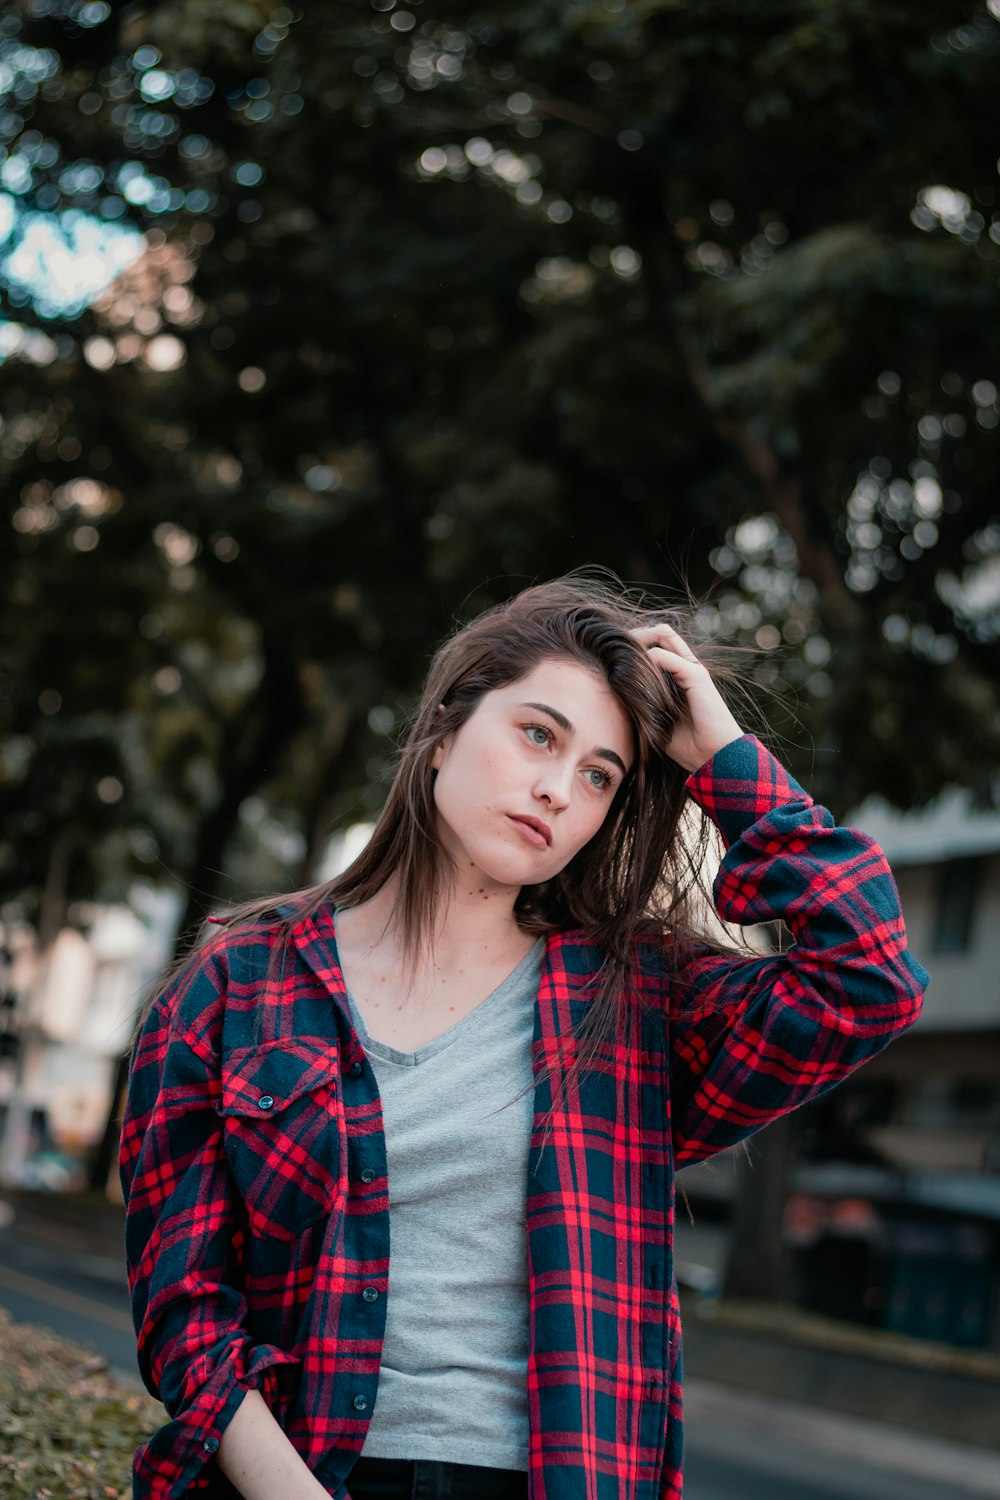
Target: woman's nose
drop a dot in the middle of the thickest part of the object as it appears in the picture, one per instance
(554, 786)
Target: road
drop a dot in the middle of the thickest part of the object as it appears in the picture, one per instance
(739, 1447)
(744, 1447)
(83, 1297)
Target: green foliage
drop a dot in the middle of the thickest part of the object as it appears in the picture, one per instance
(452, 301)
(68, 1430)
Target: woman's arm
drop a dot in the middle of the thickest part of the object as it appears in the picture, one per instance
(260, 1461)
(756, 1037)
(182, 1232)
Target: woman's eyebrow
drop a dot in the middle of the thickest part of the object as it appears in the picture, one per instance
(565, 724)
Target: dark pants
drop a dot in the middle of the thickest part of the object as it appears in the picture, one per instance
(432, 1479)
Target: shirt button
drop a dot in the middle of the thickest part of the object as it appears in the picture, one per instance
(357, 1069)
(367, 1175)
(210, 1445)
(370, 1294)
(265, 1102)
(360, 1403)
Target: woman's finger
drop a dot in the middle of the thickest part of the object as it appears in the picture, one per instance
(667, 634)
(707, 724)
(685, 668)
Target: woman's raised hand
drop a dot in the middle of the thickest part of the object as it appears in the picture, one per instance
(711, 725)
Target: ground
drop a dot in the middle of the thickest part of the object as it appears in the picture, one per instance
(68, 1429)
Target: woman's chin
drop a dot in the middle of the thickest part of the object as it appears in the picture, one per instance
(503, 876)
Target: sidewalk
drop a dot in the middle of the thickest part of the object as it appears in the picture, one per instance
(82, 1224)
(783, 1353)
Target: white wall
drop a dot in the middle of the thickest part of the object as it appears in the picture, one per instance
(964, 992)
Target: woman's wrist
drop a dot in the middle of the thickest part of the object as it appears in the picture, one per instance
(714, 748)
(259, 1459)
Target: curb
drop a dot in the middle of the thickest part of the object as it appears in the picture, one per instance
(895, 1449)
(783, 1354)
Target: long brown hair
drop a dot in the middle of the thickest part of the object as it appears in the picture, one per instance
(634, 879)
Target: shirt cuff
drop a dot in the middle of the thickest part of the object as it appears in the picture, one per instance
(741, 783)
(176, 1453)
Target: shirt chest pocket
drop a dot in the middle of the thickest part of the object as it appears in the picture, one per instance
(283, 1129)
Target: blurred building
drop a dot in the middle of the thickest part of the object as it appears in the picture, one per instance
(68, 1013)
(895, 1213)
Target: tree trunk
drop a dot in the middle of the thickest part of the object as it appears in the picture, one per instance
(758, 1261)
(345, 743)
(249, 749)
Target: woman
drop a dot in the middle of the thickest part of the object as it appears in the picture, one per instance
(398, 1151)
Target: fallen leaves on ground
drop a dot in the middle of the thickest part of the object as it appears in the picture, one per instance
(68, 1428)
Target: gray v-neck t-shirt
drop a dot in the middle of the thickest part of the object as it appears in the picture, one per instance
(452, 1382)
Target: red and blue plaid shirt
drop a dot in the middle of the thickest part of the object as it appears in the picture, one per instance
(253, 1160)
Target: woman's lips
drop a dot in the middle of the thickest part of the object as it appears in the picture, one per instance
(535, 831)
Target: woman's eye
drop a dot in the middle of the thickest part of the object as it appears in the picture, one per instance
(543, 735)
(599, 779)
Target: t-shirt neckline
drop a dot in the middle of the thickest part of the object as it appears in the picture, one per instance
(444, 1039)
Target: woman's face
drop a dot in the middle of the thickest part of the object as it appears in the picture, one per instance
(529, 777)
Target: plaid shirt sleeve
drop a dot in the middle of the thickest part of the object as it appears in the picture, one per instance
(755, 1037)
(182, 1229)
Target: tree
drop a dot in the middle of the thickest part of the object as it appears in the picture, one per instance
(435, 302)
